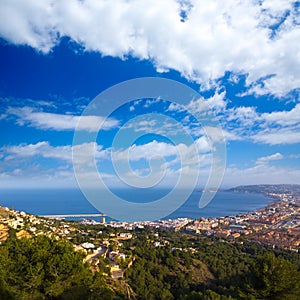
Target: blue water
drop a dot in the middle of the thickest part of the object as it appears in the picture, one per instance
(71, 201)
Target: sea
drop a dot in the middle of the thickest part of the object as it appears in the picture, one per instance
(72, 201)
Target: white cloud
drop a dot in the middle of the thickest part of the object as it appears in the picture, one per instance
(218, 135)
(274, 128)
(275, 136)
(163, 149)
(259, 174)
(163, 125)
(176, 107)
(164, 162)
(246, 115)
(3, 116)
(59, 122)
(245, 122)
(272, 157)
(285, 118)
(42, 149)
(52, 165)
(51, 178)
(45, 150)
(217, 36)
(146, 151)
(216, 103)
(203, 145)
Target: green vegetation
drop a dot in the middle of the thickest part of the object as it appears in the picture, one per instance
(267, 188)
(217, 270)
(43, 268)
(181, 266)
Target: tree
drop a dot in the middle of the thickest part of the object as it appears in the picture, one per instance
(43, 268)
(275, 278)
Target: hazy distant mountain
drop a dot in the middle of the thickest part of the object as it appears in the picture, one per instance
(267, 188)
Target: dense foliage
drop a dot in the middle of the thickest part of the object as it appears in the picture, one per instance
(217, 270)
(180, 267)
(43, 268)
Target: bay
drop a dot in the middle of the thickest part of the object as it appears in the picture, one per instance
(72, 201)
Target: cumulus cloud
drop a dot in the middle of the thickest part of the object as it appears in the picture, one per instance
(215, 103)
(247, 123)
(176, 127)
(59, 122)
(284, 118)
(245, 115)
(45, 150)
(171, 157)
(261, 173)
(272, 157)
(159, 162)
(201, 40)
(275, 128)
(152, 149)
(275, 136)
(44, 165)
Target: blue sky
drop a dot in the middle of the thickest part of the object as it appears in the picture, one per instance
(242, 58)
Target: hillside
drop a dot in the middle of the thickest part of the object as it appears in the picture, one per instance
(268, 189)
(56, 260)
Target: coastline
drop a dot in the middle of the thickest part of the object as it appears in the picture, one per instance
(276, 224)
(64, 202)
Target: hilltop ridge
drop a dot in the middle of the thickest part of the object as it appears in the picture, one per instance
(267, 188)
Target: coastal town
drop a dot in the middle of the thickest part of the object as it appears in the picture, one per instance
(276, 225)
